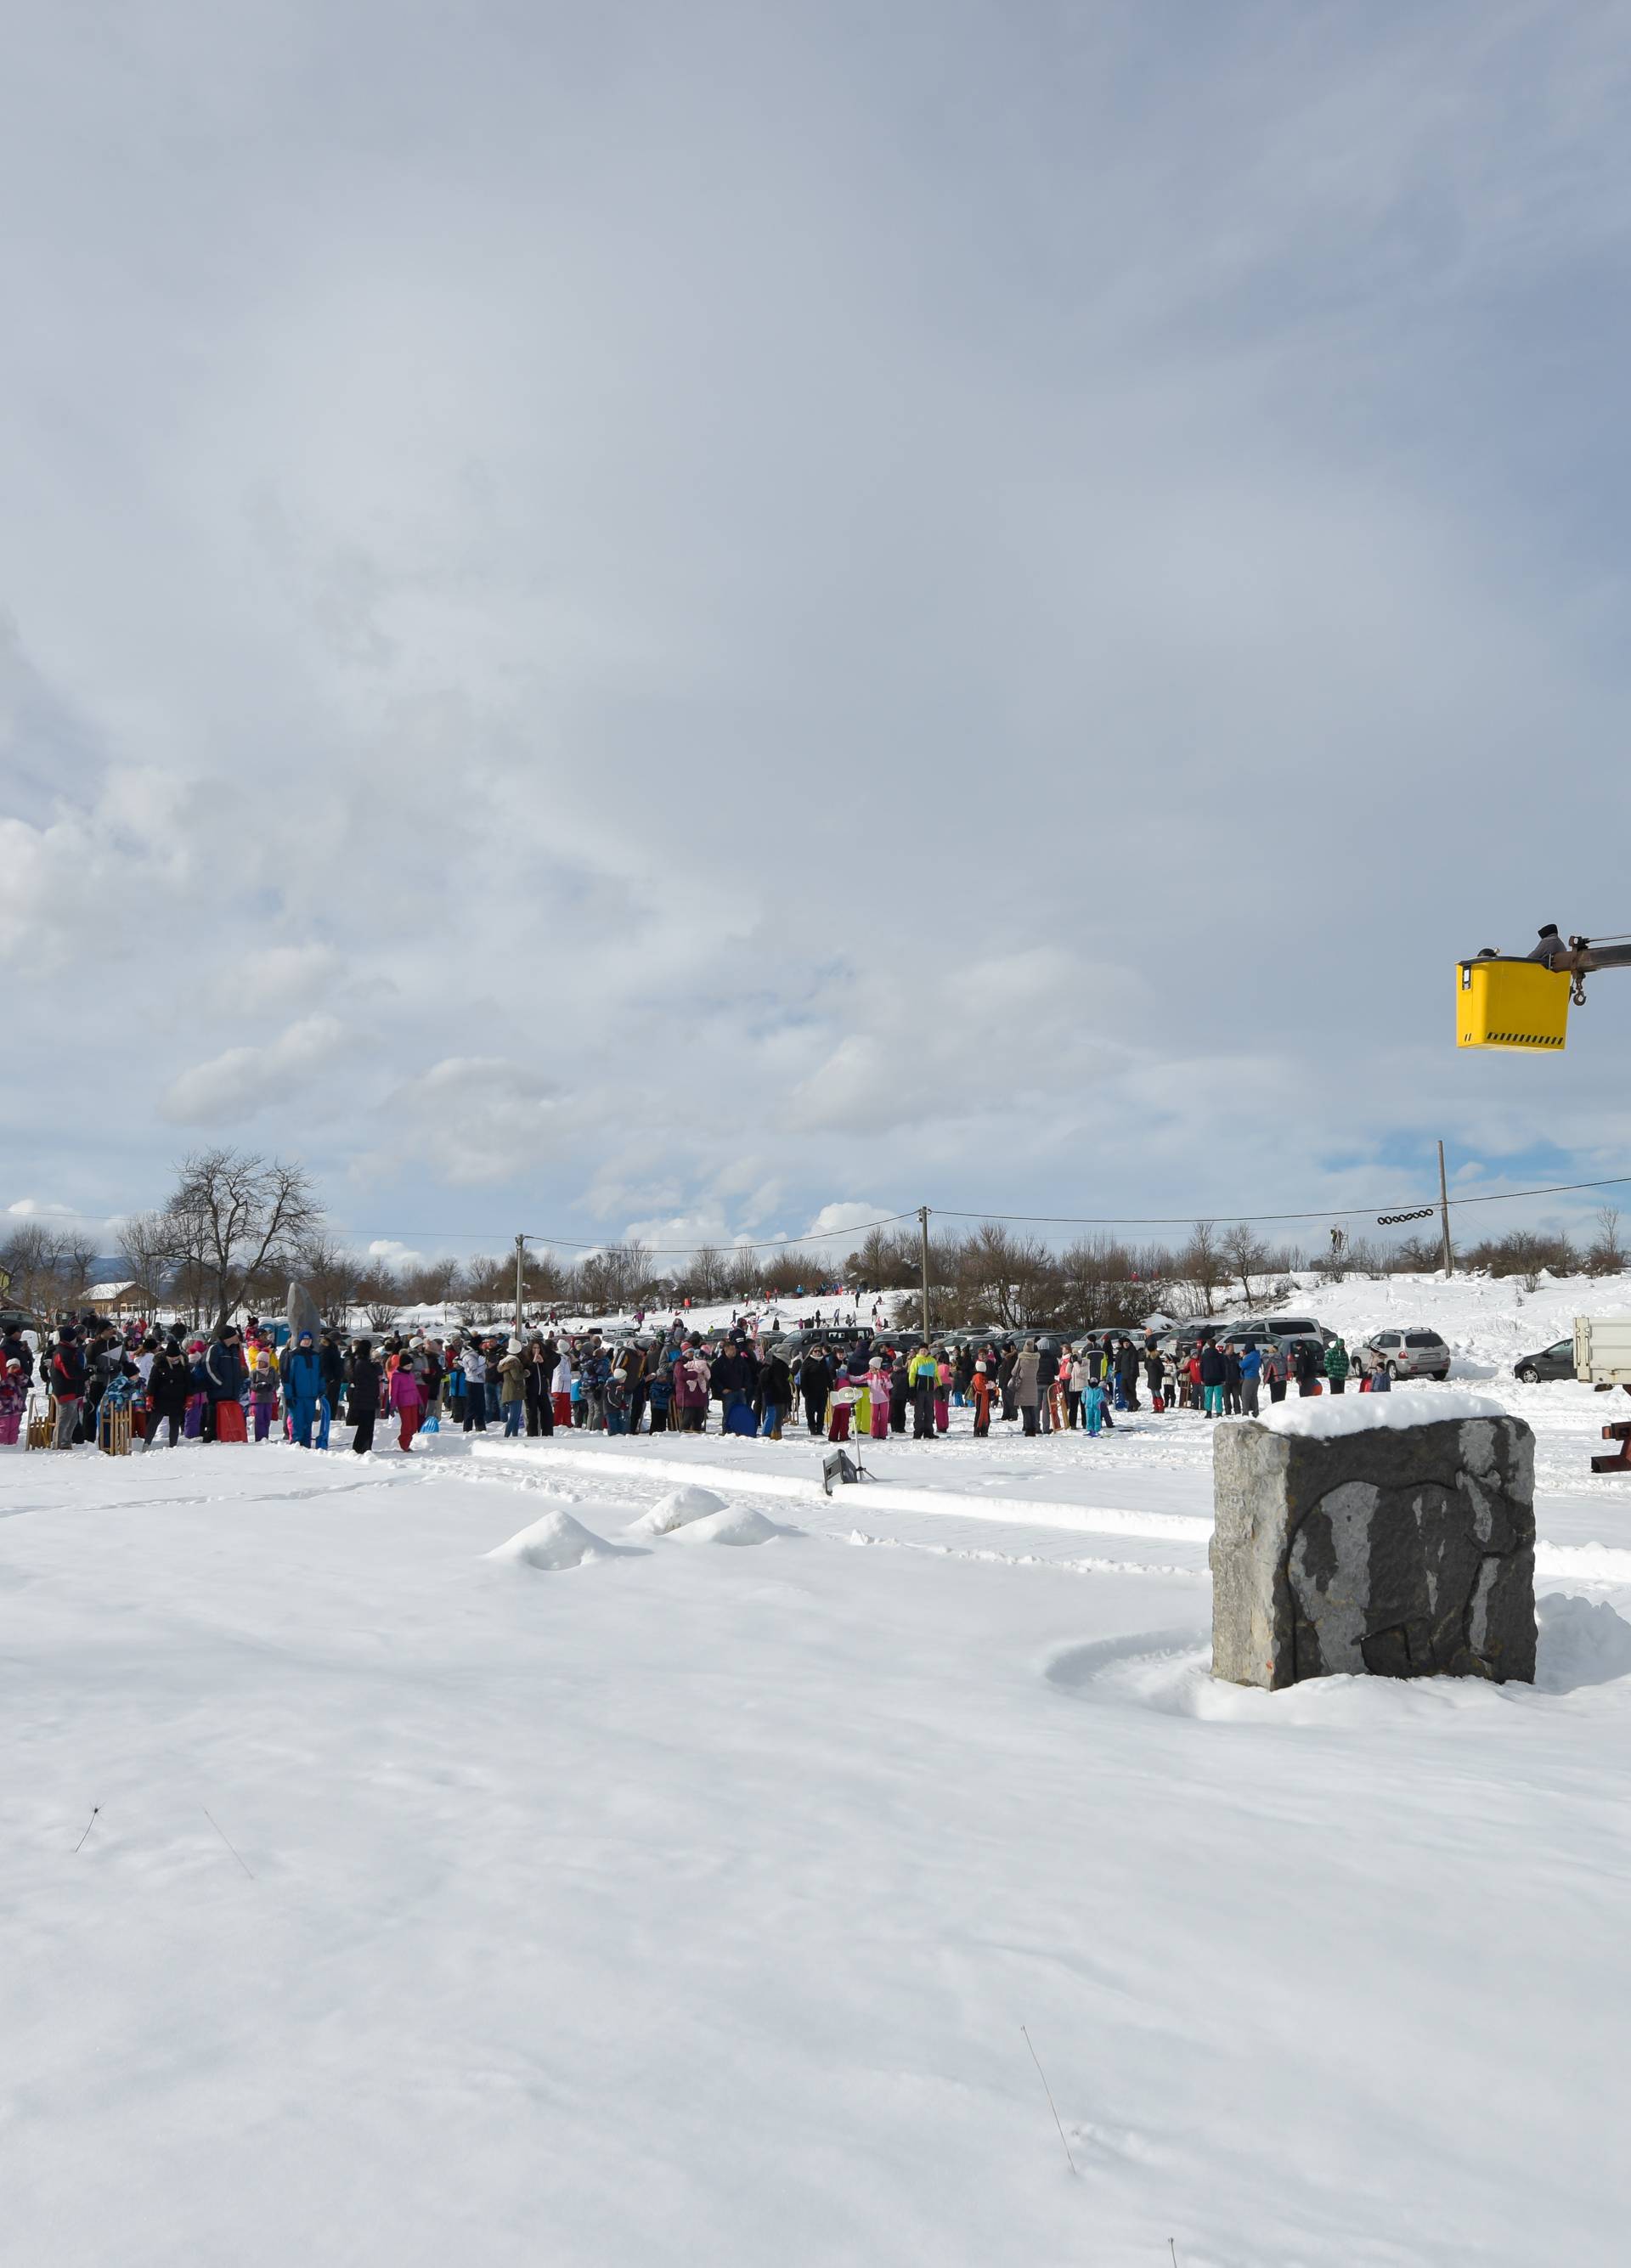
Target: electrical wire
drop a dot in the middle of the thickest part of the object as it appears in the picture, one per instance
(1322, 1212)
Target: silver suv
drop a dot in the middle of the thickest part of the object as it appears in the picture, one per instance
(1407, 1354)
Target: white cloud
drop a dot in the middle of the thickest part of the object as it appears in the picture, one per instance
(783, 705)
(243, 1080)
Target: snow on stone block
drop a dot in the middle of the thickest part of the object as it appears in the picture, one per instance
(1403, 1551)
(737, 1524)
(554, 1543)
(1324, 1416)
(678, 1509)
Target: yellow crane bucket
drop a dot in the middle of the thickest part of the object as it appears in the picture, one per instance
(1502, 1002)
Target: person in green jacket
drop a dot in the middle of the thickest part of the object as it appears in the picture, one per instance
(923, 1377)
(1337, 1365)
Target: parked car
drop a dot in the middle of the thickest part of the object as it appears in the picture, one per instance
(1420, 1353)
(1552, 1362)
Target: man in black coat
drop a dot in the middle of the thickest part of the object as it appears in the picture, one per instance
(775, 1397)
(815, 1384)
(364, 1382)
(67, 1382)
(732, 1378)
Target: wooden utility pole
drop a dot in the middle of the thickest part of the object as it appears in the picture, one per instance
(520, 1259)
(1444, 1213)
(923, 1222)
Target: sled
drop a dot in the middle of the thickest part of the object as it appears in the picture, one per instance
(42, 1423)
(112, 1430)
(229, 1422)
(742, 1420)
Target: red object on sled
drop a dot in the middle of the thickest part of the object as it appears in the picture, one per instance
(229, 1422)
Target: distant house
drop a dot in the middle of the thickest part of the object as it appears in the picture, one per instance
(115, 1300)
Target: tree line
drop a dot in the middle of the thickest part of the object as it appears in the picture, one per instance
(237, 1226)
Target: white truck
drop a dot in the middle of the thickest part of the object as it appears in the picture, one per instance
(1602, 1358)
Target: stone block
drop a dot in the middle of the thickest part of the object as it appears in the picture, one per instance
(1407, 1551)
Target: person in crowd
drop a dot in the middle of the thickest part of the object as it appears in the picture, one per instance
(878, 1392)
(1250, 1374)
(1027, 1387)
(262, 1393)
(815, 1384)
(1005, 1361)
(475, 1368)
(942, 1391)
(1047, 1379)
(223, 1368)
(167, 1390)
(560, 1389)
(1337, 1365)
(14, 1348)
(733, 1378)
(923, 1376)
(1092, 1404)
(1306, 1359)
(981, 1388)
(13, 1401)
(775, 1395)
(1155, 1373)
(614, 1399)
(660, 1396)
(303, 1386)
(1231, 1381)
(405, 1399)
(1214, 1371)
(1381, 1378)
(363, 1382)
(691, 1387)
(513, 1389)
(900, 1389)
(1274, 1370)
(68, 1375)
(1128, 1374)
(638, 1364)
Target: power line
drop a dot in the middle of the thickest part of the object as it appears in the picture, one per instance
(863, 1228)
(1321, 1213)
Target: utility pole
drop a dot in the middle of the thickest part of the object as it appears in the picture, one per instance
(1444, 1213)
(520, 1259)
(923, 1222)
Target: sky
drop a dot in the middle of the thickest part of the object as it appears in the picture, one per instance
(704, 622)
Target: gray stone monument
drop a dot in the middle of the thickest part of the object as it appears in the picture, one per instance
(1402, 1551)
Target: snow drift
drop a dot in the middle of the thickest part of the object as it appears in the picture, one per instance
(678, 1509)
(735, 1525)
(554, 1543)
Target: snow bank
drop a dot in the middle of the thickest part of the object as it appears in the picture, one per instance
(678, 1509)
(1328, 1415)
(1582, 1642)
(555, 1543)
(737, 1524)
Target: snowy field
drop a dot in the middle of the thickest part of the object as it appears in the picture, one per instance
(647, 1894)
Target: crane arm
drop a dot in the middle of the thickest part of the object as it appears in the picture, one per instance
(1578, 955)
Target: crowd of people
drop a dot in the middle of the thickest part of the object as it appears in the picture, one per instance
(239, 1384)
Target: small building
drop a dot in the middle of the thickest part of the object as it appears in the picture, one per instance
(116, 1301)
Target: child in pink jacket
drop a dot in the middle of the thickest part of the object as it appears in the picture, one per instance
(878, 1386)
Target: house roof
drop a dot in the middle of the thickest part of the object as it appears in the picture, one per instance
(109, 1291)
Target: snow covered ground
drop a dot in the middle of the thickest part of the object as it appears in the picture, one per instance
(504, 1857)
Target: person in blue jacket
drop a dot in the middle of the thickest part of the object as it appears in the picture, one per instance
(1250, 1373)
(303, 1387)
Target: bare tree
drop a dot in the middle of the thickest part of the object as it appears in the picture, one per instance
(46, 1267)
(1202, 1262)
(1607, 1255)
(1246, 1254)
(150, 1249)
(708, 1276)
(242, 1219)
(335, 1277)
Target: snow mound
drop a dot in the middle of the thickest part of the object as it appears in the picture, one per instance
(555, 1543)
(1582, 1642)
(1327, 1415)
(678, 1509)
(739, 1525)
